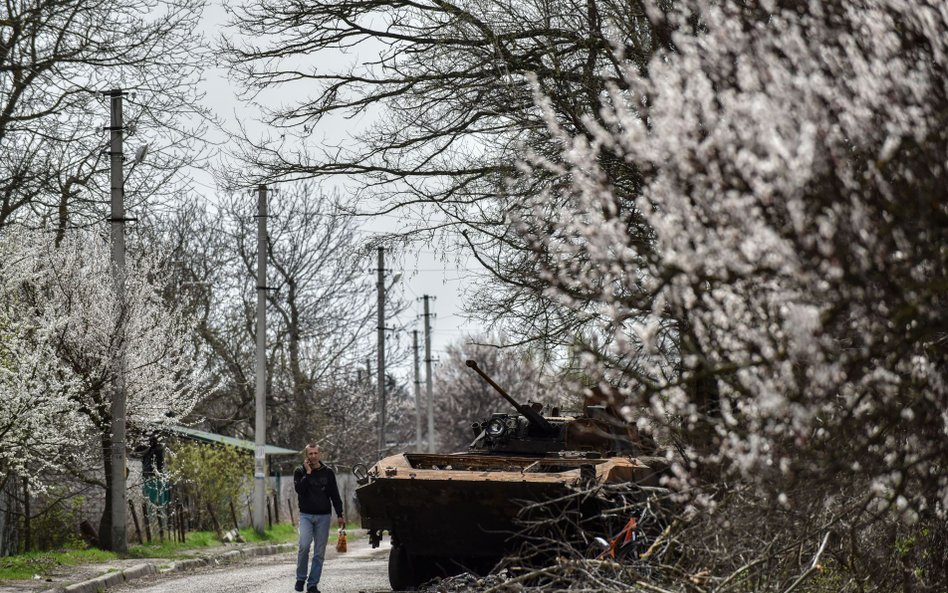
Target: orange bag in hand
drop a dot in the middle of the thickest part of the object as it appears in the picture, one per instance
(341, 544)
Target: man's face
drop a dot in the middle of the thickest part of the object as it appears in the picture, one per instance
(312, 455)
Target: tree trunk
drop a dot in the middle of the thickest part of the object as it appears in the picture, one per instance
(9, 513)
(702, 386)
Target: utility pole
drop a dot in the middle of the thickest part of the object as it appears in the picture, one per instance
(381, 353)
(431, 443)
(260, 425)
(118, 497)
(414, 335)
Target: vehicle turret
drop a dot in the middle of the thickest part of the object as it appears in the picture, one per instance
(538, 423)
(530, 432)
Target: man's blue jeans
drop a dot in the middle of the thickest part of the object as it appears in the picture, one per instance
(313, 528)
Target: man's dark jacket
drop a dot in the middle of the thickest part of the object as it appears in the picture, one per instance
(316, 490)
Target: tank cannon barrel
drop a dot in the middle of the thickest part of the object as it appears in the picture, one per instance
(529, 413)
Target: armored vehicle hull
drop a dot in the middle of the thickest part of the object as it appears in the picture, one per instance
(448, 513)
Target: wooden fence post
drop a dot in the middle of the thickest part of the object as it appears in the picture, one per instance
(181, 524)
(162, 515)
(146, 519)
(138, 531)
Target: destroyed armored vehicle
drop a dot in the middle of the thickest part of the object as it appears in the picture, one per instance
(449, 513)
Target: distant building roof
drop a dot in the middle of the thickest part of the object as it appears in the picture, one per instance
(210, 437)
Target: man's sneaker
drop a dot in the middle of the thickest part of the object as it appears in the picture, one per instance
(299, 584)
(312, 589)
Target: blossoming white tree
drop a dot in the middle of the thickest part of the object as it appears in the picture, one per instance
(68, 326)
(792, 159)
(35, 414)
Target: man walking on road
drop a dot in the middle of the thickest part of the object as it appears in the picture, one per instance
(316, 489)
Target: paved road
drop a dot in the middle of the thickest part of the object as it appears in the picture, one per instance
(360, 569)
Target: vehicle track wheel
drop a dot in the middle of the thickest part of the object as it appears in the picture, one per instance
(401, 569)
